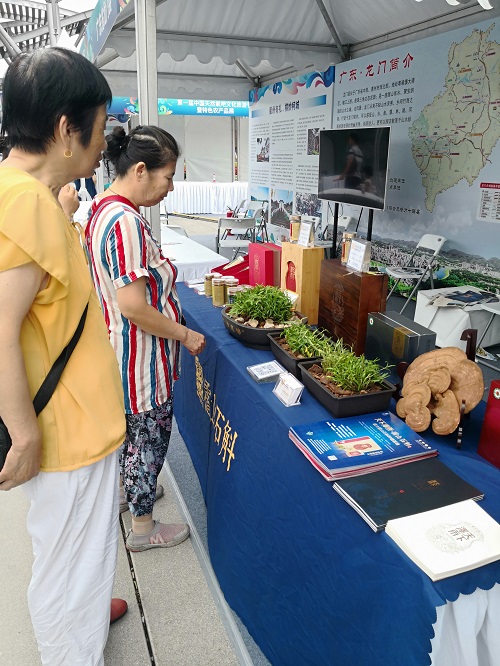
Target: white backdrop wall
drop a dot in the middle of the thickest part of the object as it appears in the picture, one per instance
(207, 146)
(243, 157)
(175, 125)
(208, 149)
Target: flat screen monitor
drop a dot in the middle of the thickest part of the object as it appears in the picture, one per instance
(353, 166)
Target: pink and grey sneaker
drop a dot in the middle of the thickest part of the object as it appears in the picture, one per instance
(161, 536)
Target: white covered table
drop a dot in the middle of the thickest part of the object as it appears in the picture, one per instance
(449, 323)
(191, 259)
(205, 198)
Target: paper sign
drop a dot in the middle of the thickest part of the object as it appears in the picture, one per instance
(359, 255)
(306, 233)
(288, 389)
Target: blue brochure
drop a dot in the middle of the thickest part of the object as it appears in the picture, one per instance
(359, 444)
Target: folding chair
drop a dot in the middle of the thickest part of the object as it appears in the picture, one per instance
(420, 265)
(238, 233)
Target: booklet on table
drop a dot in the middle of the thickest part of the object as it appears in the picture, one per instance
(404, 490)
(344, 447)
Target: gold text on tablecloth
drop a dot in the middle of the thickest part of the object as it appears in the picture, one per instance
(224, 435)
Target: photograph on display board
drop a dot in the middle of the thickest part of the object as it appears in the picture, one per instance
(308, 204)
(263, 145)
(260, 195)
(313, 141)
(281, 208)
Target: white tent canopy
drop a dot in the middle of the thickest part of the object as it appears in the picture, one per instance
(221, 48)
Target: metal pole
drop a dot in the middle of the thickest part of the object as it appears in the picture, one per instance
(50, 23)
(147, 80)
(11, 47)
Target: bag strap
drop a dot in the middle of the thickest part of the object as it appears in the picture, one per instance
(50, 382)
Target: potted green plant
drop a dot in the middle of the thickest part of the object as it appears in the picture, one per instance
(346, 384)
(300, 342)
(256, 311)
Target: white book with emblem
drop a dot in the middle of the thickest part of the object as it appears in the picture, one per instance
(449, 540)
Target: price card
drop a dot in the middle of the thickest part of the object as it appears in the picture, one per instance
(306, 233)
(288, 389)
(359, 255)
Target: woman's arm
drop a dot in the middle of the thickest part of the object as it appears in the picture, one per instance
(18, 288)
(134, 307)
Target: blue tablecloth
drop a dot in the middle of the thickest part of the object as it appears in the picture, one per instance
(308, 577)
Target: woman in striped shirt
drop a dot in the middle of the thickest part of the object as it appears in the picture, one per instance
(136, 287)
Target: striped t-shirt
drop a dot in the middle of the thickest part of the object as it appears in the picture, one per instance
(122, 249)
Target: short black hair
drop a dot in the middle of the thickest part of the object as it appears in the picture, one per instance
(41, 87)
(145, 143)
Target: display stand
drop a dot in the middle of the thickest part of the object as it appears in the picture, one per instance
(300, 274)
(346, 297)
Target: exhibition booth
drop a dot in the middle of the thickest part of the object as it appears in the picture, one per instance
(365, 140)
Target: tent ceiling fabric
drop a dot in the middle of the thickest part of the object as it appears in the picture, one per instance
(205, 48)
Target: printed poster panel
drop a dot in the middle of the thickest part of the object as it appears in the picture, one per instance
(441, 97)
(285, 121)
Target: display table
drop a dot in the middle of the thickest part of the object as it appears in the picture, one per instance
(191, 259)
(205, 197)
(449, 323)
(311, 581)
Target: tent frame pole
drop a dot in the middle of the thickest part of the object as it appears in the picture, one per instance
(147, 81)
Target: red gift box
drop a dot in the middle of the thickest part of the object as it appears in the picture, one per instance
(489, 444)
(265, 263)
(237, 268)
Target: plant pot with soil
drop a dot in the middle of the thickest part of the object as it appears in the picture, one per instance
(348, 385)
(257, 311)
(297, 343)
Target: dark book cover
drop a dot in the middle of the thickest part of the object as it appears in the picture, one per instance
(404, 490)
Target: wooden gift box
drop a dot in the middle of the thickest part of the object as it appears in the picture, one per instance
(300, 273)
(346, 297)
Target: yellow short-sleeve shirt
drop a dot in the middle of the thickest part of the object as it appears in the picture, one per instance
(84, 420)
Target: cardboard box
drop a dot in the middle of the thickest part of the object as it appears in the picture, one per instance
(264, 261)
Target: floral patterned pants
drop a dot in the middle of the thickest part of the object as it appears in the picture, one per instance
(142, 456)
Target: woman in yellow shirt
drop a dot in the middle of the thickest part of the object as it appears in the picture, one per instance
(54, 114)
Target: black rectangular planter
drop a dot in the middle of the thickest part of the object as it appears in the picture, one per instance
(287, 360)
(349, 405)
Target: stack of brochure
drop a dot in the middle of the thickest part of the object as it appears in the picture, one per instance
(346, 447)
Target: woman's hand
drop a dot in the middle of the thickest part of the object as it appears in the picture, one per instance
(68, 198)
(195, 342)
(22, 462)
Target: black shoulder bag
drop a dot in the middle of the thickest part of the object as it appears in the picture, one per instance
(47, 388)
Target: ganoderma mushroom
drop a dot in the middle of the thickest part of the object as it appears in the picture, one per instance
(450, 379)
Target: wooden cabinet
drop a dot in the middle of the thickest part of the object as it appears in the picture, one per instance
(345, 299)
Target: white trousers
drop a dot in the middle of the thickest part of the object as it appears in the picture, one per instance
(73, 523)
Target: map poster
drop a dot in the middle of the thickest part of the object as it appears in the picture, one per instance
(284, 124)
(441, 97)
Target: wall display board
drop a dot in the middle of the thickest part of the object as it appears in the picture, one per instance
(285, 121)
(441, 97)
